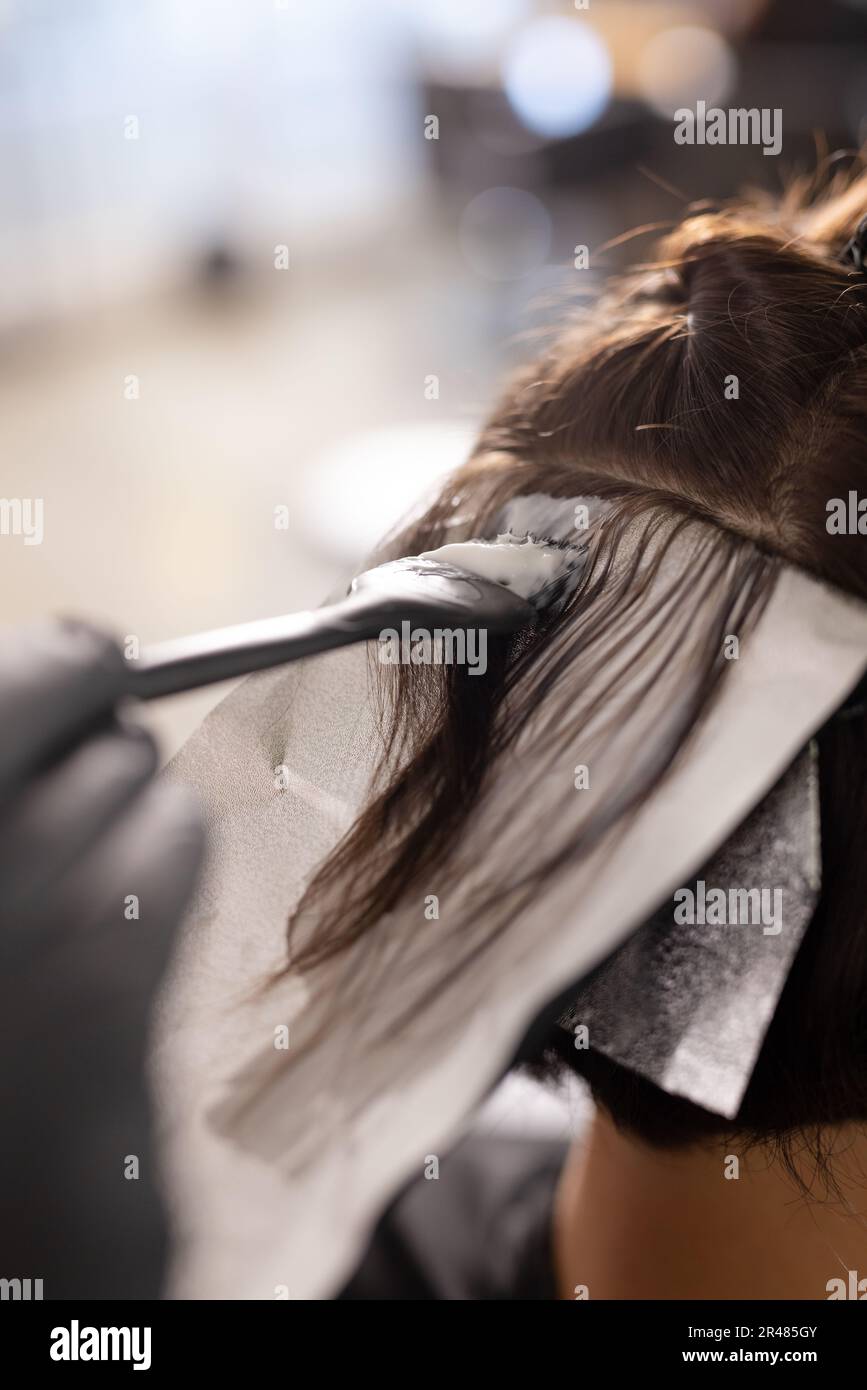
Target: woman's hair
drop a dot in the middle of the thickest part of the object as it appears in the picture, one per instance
(714, 399)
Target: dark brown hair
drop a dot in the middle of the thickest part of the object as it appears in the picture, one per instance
(715, 397)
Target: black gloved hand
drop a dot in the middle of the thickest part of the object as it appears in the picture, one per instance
(97, 862)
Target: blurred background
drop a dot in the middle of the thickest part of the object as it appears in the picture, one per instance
(266, 262)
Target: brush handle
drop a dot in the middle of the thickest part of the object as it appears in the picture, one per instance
(186, 663)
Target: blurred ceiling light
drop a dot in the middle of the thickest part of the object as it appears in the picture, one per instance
(681, 66)
(505, 233)
(462, 40)
(361, 489)
(557, 76)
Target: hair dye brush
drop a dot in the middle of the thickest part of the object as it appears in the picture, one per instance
(495, 585)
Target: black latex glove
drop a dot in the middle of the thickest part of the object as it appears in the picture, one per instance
(83, 830)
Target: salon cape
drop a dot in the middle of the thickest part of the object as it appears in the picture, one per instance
(275, 1189)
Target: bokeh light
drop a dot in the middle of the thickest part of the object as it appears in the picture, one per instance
(557, 76)
(505, 233)
(683, 65)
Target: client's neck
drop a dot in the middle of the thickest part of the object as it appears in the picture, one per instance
(637, 1222)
